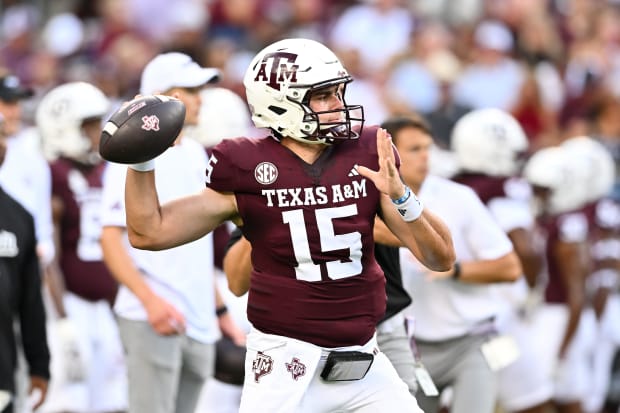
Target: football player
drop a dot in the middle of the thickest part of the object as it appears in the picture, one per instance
(88, 369)
(598, 174)
(559, 197)
(307, 197)
(489, 145)
(391, 331)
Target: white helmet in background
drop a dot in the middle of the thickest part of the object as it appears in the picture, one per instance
(554, 169)
(278, 83)
(489, 141)
(59, 118)
(223, 114)
(597, 166)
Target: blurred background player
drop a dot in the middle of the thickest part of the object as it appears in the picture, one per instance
(559, 197)
(601, 311)
(490, 145)
(166, 306)
(20, 301)
(452, 315)
(88, 369)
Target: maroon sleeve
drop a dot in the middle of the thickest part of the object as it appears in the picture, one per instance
(230, 164)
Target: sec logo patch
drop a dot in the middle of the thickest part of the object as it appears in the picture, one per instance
(265, 173)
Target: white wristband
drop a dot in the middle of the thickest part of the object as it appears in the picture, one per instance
(411, 209)
(143, 166)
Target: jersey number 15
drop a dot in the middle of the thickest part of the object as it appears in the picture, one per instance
(306, 269)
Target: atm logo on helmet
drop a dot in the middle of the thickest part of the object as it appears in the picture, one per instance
(283, 69)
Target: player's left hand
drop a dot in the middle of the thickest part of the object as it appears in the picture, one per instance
(386, 179)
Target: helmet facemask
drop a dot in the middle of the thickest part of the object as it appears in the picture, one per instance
(348, 126)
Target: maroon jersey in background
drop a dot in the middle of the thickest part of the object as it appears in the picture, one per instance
(604, 236)
(566, 227)
(486, 187)
(81, 259)
(314, 275)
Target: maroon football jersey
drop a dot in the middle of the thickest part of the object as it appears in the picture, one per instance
(491, 187)
(487, 187)
(81, 259)
(566, 227)
(314, 275)
(604, 236)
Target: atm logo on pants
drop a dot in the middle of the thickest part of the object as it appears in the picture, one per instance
(261, 365)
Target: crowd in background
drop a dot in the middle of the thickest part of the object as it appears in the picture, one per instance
(553, 64)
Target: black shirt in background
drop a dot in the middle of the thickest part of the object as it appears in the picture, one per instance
(20, 294)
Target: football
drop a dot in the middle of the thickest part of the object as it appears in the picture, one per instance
(142, 129)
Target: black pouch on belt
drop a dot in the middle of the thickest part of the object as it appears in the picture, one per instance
(346, 365)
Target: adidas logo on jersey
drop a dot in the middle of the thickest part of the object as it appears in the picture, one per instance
(353, 172)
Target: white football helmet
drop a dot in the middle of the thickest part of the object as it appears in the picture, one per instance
(489, 141)
(554, 169)
(597, 166)
(59, 118)
(223, 114)
(279, 81)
